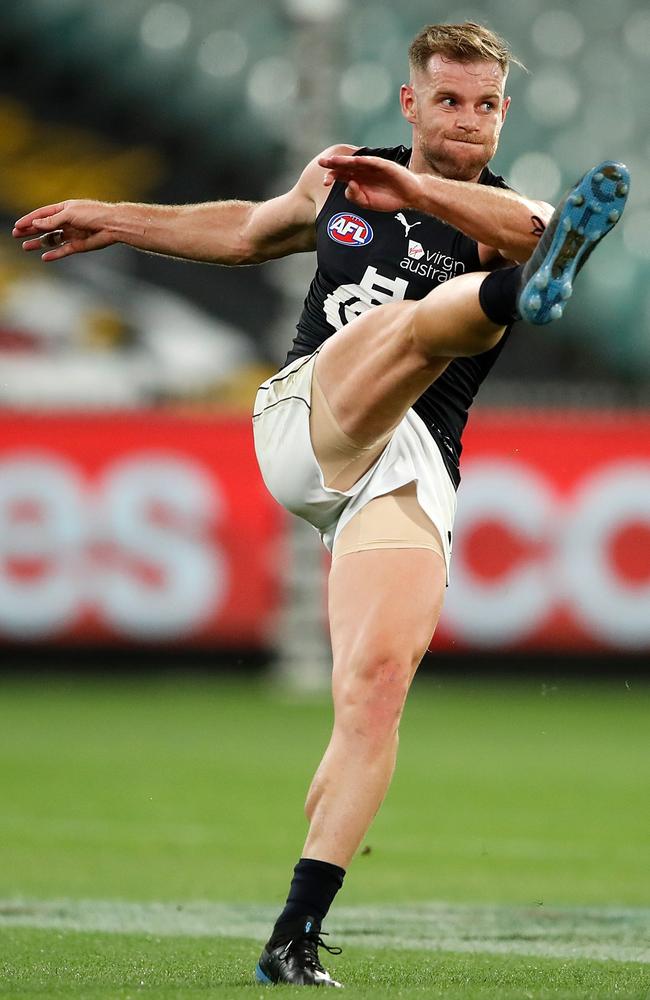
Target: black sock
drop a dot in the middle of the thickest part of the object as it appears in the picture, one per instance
(498, 295)
(313, 888)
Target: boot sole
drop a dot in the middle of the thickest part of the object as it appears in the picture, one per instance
(589, 212)
(262, 977)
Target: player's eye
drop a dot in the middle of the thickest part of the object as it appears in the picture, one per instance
(488, 105)
(449, 101)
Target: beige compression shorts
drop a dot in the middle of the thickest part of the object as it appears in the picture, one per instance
(394, 493)
(392, 521)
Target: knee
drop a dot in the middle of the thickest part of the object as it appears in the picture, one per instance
(369, 701)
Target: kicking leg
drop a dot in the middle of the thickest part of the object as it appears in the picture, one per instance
(375, 368)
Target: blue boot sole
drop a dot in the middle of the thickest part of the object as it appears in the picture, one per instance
(590, 210)
(261, 977)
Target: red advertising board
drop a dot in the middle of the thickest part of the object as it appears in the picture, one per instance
(138, 527)
(552, 540)
(156, 528)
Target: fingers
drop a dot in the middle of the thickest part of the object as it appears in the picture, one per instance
(340, 161)
(337, 164)
(337, 160)
(74, 245)
(32, 245)
(370, 169)
(63, 251)
(46, 242)
(353, 192)
(23, 231)
(342, 173)
(42, 218)
(50, 241)
(37, 227)
(338, 168)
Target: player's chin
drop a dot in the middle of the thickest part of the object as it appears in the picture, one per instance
(462, 168)
(468, 158)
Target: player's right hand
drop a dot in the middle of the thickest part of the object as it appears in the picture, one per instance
(69, 227)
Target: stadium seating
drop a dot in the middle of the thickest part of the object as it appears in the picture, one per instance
(187, 65)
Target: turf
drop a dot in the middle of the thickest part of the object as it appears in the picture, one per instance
(526, 801)
(85, 965)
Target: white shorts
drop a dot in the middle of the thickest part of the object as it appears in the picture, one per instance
(293, 476)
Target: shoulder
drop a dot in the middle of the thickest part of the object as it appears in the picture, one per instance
(311, 184)
(398, 154)
(312, 175)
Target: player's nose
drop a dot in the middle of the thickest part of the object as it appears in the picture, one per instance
(464, 123)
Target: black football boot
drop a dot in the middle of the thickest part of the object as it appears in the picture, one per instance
(586, 213)
(296, 961)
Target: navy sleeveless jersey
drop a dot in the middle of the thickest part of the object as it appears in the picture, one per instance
(367, 258)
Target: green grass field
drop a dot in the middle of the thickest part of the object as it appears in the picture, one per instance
(148, 829)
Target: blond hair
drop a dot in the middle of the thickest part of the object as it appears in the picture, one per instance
(465, 42)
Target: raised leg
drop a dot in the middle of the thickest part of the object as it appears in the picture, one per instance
(375, 368)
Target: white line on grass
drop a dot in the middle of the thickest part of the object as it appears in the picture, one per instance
(562, 932)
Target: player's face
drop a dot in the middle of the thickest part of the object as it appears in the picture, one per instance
(457, 110)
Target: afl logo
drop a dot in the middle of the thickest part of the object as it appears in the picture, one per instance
(349, 230)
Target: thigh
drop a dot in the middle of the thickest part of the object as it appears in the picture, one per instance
(393, 520)
(371, 373)
(342, 459)
(384, 606)
(375, 368)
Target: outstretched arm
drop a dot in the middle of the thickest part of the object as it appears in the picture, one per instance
(502, 222)
(226, 232)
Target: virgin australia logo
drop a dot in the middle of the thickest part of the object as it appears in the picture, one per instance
(433, 264)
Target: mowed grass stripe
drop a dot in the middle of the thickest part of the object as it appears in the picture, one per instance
(620, 935)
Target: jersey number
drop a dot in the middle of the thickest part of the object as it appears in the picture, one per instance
(347, 302)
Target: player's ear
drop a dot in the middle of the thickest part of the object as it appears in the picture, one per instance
(504, 108)
(408, 102)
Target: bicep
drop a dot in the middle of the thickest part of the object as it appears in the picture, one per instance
(287, 224)
(281, 226)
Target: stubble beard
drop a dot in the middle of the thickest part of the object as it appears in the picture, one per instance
(442, 162)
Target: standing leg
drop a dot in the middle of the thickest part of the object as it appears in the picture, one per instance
(384, 606)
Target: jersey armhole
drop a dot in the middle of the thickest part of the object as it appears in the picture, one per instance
(336, 187)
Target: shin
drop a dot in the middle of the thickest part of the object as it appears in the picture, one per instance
(380, 630)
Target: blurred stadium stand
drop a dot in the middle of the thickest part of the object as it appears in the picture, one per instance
(189, 100)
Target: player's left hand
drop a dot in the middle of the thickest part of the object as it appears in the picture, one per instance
(372, 182)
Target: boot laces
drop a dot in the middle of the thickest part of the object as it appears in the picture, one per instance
(305, 949)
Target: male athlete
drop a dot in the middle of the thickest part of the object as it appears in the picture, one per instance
(360, 430)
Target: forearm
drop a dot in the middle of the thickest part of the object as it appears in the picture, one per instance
(492, 216)
(221, 232)
(213, 232)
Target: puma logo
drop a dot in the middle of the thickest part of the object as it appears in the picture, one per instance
(400, 218)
